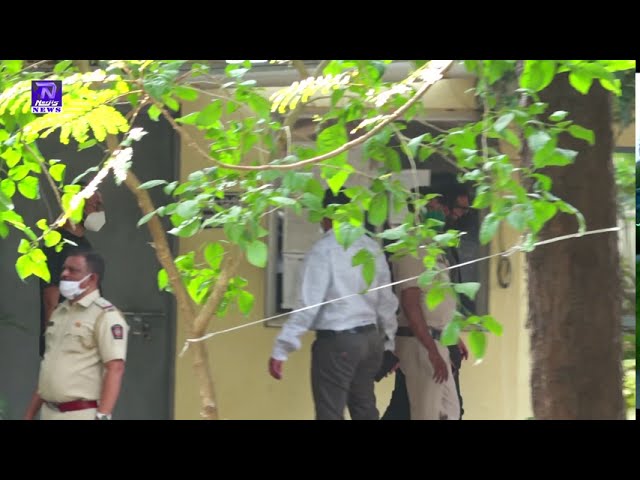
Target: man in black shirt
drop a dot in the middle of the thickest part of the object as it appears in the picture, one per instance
(93, 220)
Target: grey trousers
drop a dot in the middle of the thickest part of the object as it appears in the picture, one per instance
(342, 371)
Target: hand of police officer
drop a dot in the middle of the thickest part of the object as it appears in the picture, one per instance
(440, 370)
(463, 350)
(275, 368)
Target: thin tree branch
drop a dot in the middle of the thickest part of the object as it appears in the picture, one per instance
(222, 282)
(46, 173)
(302, 70)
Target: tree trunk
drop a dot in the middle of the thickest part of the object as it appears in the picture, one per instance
(574, 285)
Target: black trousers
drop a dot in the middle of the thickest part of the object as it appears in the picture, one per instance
(399, 408)
(343, 368)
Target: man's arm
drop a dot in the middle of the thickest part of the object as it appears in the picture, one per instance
(34, 406)
(114, 370)
(315, 279)
(50, 291)
(387, 304)
(111, 334)
(50, 298)
(410, 299)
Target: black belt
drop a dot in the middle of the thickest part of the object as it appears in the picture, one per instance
(406, 332)
(333, 333)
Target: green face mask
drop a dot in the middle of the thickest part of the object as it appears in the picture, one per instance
(436, 215)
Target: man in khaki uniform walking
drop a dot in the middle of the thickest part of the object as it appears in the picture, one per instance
(424, 361)
(85, 348)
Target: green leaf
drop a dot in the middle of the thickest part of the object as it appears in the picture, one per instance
(145, 219)
(582, 224)
(477, 344)
(210, 114)
(414, 143)
(52, 238)
(543, 180)
(491, 324)
(257, 253)
(163, 279)
(245, 301)
(337, 180)
(544, 155)
(28, 187)
(282, 201)
(87, 144)
(24, 266)
(611, 85)
(394, 233)
(186, 93)
(24, 246)
(448, 239)
(561, 157)
(39, 265)
(582, 133)
(12, 157)
(189, 119)
(426, 278)
(62, 66)
(188, 209)
(187, 230)
(470, 289)
(557, 116)
(151, 184)
(4, 230)
(543, 212)
(517, 218)
(8, 187)
(346, 233)
(233, 231)
(488, 228)
(213, 253)
(365, 258)
(170, 187)
(172, 103)
(618, 65)
(435, 297)
(538, 140)
(378, 209)
(57, 171)
(154, 113)
(450, 333)
(537, 74)
(503, 122)
(581, 81)
(18, 173)
(12, 66)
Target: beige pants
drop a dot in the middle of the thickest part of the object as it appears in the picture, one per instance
(47, 413)
(428, 400)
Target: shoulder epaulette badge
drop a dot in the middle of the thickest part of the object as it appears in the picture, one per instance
(104, 304)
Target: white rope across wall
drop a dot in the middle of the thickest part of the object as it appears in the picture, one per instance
(506, 253)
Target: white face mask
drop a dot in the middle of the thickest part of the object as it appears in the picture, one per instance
(70, 289)
(95, 221)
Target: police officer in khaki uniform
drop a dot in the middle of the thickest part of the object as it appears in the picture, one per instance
(425, 362)
(86, 345)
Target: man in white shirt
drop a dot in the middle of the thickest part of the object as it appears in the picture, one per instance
(349, 345)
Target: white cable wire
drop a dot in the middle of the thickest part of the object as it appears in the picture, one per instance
(510, 251)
